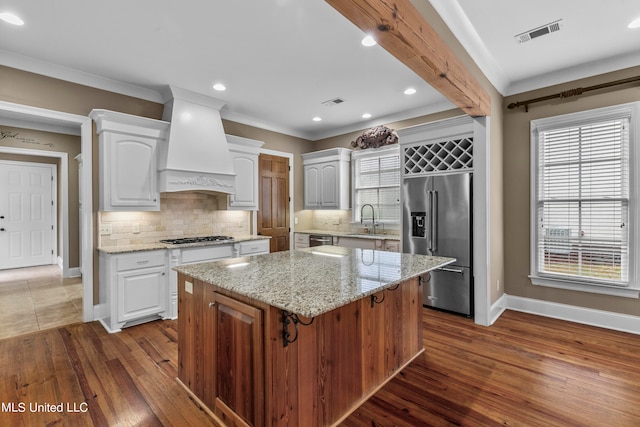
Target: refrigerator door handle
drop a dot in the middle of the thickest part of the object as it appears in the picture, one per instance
(430, 197)
(434, 221)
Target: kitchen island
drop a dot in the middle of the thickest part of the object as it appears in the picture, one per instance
(298, 338)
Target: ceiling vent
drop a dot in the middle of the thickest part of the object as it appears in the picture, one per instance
(552, 27)
(332, 102)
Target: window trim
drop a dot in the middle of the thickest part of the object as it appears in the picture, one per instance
(386, 150)
(631, 111)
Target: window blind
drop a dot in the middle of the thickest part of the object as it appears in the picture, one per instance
(583, 201)
(377, 182)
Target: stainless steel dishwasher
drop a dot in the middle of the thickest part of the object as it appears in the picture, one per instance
(320, 239)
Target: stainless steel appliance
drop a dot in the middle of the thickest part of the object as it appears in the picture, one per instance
(437, 220)
(320, 239)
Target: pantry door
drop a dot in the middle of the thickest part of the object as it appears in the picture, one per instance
(27, 214)
(273, 211)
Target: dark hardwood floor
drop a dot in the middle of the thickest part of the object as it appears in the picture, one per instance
(523, 371)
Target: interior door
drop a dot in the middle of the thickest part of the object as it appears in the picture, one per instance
(27, 231)
(273, 211)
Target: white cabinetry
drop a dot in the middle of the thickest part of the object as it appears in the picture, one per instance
(391, 245)
(244, 154)
(252, 247)
(326, 179)
(133, 288)
(128, 160)
(388, 245)
(301, 240)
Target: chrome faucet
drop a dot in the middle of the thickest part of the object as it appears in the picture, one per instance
(373, 216)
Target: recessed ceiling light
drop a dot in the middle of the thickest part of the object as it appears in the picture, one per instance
(635, 23)
(219, 87)
(11, 18)
(366, 116)
(368, 41)
(409, 91)
(317, 119)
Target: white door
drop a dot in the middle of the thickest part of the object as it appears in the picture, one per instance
(27, 214)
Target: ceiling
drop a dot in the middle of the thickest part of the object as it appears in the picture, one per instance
(281, 59)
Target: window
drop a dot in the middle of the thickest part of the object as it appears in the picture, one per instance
(581, 199)
(376, 181)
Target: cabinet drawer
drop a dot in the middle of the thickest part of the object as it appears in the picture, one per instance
(206, 253)
(254, 247)
(141, 260)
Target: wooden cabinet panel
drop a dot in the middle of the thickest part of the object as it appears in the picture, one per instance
(235, 361)
(239, 361)
(221, 352)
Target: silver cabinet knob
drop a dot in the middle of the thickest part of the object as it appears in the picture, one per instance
(211, 304)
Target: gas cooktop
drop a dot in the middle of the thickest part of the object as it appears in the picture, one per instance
(201, 239)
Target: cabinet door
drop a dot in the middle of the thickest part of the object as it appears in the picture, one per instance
(141, 293)
(246, 184)
(312, 187)
(354, 242)
(132, 181)
(239, 361)
(329, 185)
(392, 245)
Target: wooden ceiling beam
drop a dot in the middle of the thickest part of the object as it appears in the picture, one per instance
(399, 28)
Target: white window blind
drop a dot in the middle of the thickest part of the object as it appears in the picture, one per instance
(582, 206)
(377, 182)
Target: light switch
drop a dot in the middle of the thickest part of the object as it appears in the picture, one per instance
(188, 287)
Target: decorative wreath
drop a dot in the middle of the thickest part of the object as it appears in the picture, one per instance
(375, 137)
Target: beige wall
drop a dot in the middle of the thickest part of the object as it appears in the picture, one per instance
(516, 188)
(45, 141)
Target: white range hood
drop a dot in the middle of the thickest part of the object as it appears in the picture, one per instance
(196, 157)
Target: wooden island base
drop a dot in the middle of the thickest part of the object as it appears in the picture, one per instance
(232, 354)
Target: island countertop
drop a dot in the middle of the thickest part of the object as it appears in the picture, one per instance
(313, 281)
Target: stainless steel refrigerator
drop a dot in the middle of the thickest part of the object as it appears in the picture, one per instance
(437, 220)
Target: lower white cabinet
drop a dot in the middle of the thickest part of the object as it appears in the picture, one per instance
(252, 247)
(133, 288)
(388, 245)
(301, 240)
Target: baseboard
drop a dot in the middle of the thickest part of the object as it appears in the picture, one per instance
(496, 309)
(74, 272)
(587, 316)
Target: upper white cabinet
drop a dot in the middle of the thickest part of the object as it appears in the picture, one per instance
(326, 179)
(128, 160)
(244, 154)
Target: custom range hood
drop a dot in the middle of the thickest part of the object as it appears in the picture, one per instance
(196, 156)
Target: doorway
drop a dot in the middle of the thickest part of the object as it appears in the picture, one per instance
(273, 211)
(28, 225)
(38, 118)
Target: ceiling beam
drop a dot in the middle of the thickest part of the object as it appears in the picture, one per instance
(401, 29)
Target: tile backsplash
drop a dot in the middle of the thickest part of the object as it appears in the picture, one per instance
(181, 215)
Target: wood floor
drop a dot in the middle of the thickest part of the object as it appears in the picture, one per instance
(523, 371)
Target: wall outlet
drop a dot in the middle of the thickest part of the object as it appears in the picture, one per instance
(497, 285)
(136, 228)
(188, 287)
(105, 229)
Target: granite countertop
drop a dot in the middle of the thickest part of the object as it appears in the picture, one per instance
(313, 281)
(157, 245)
(352, 234)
